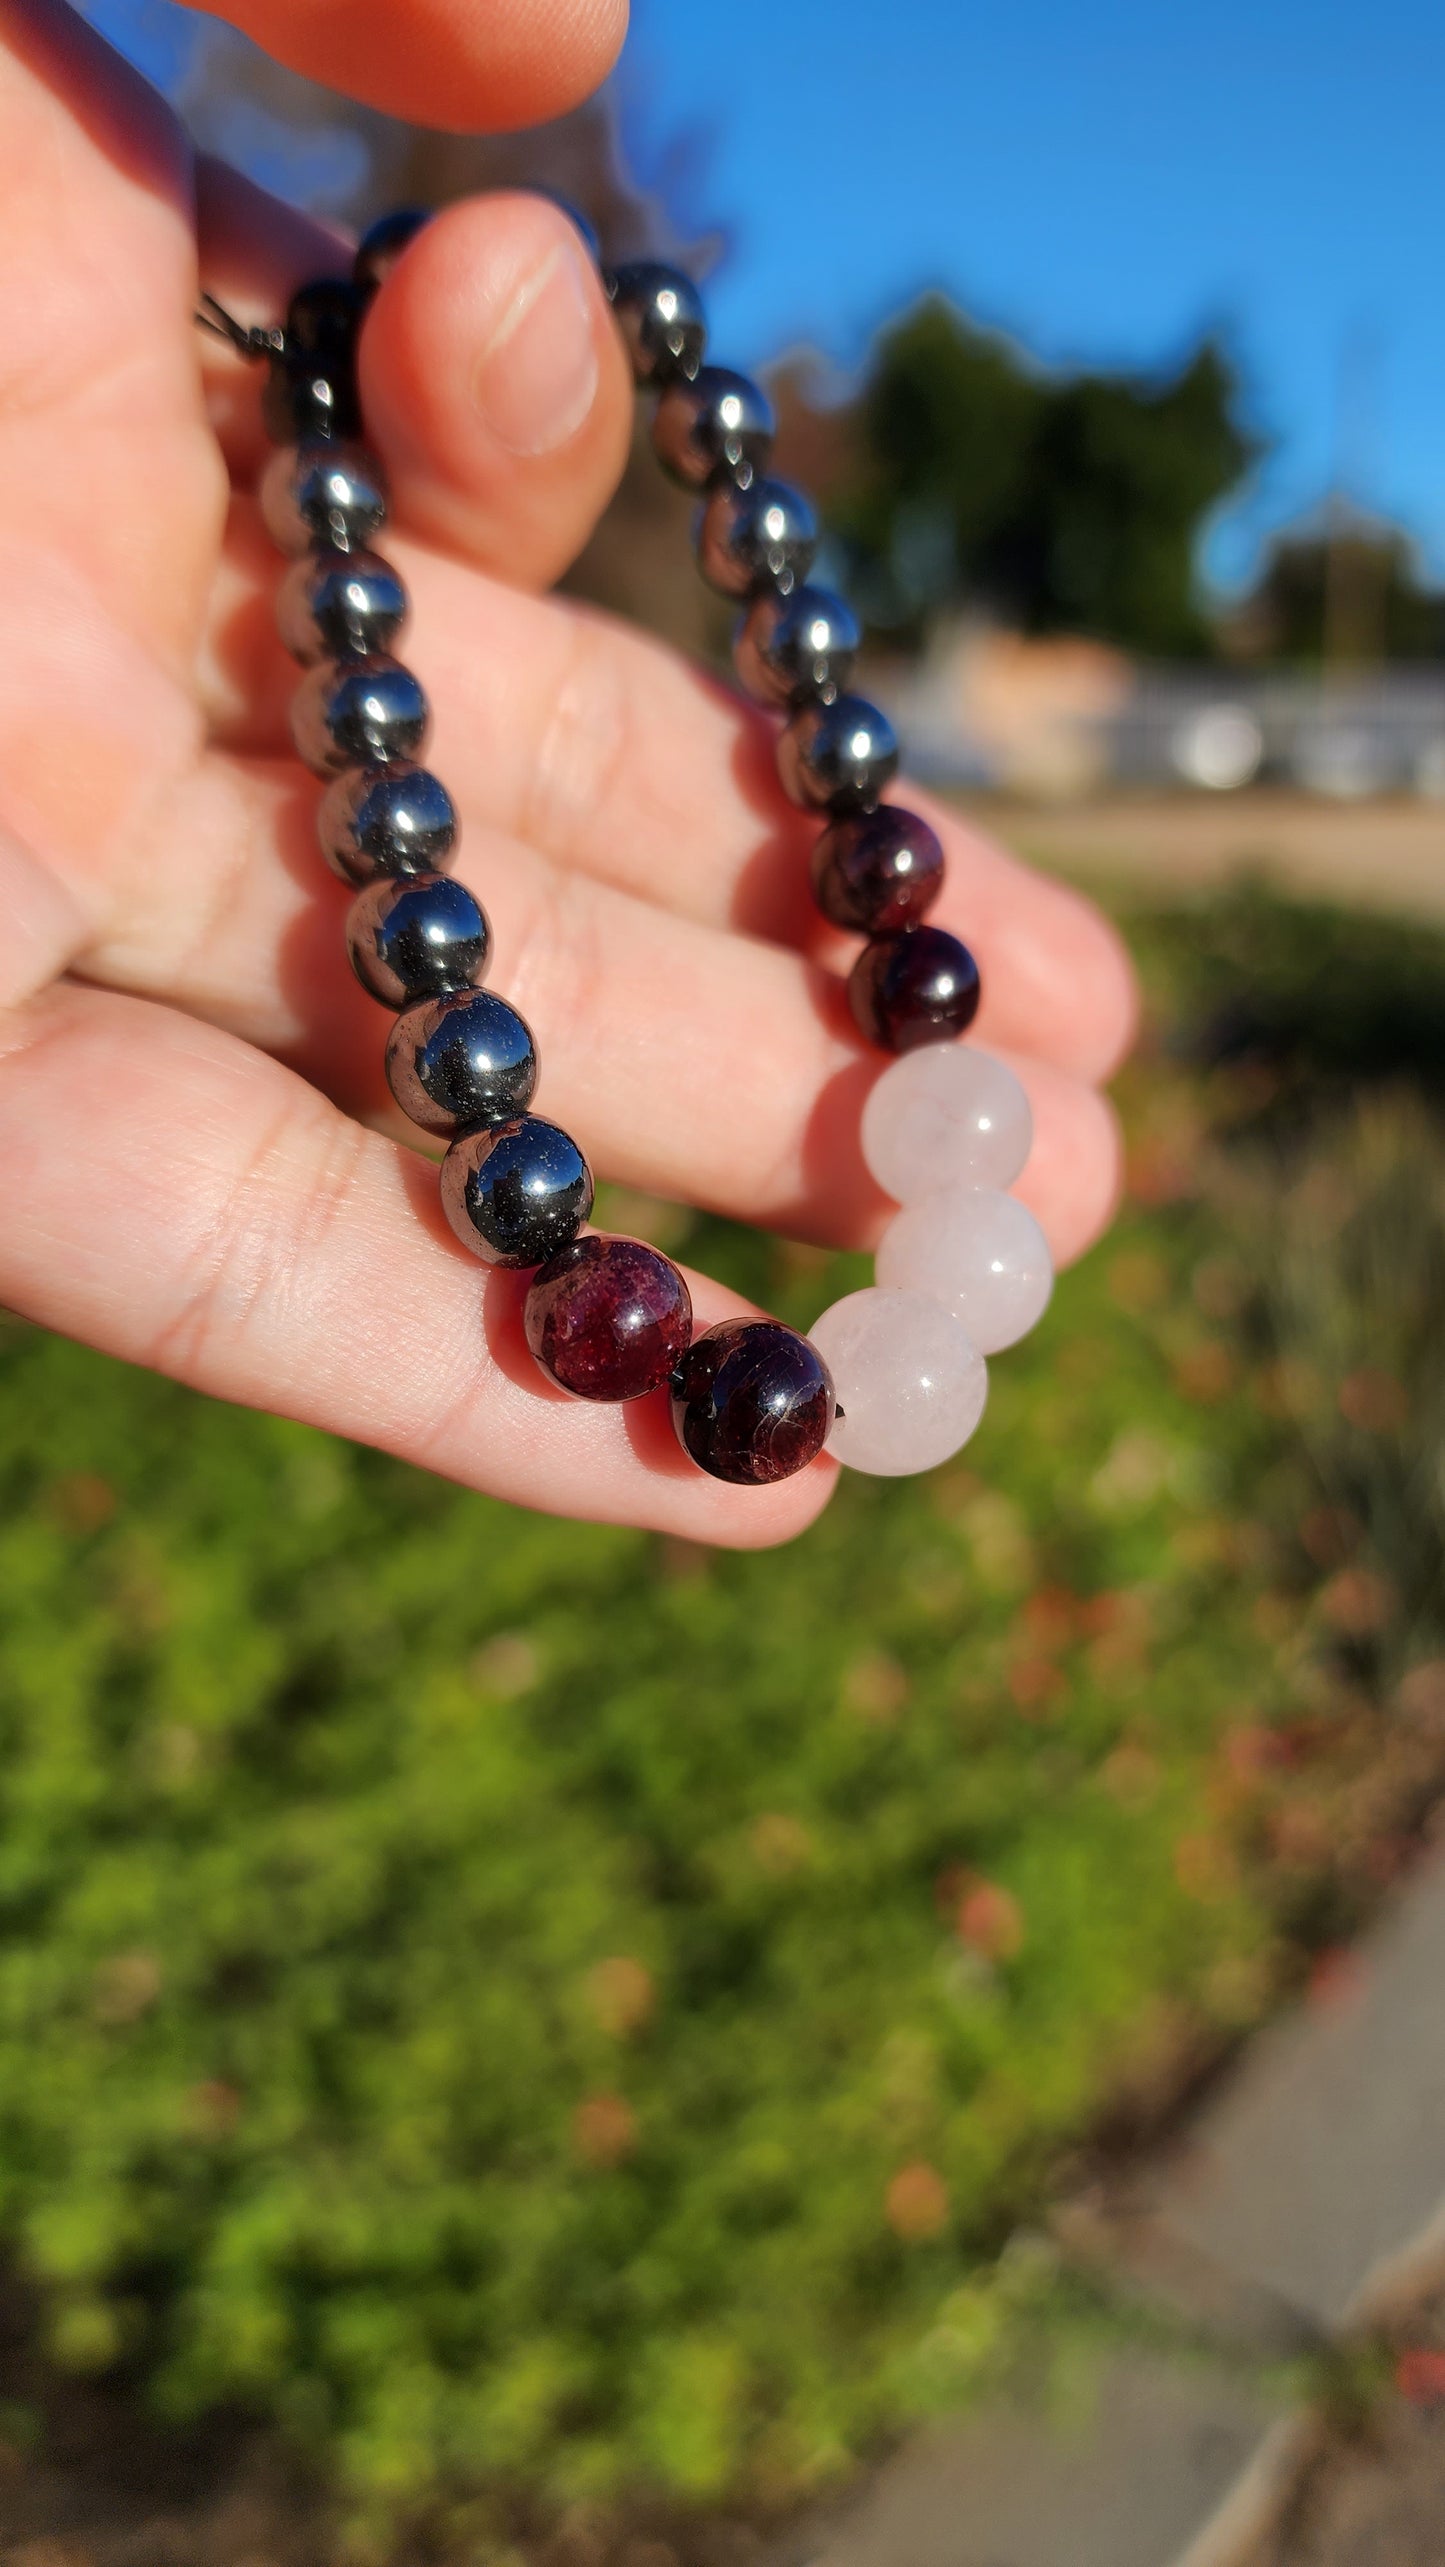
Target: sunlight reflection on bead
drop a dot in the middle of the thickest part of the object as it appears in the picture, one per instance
(910, 1385)
(979, 1252)
(945, 1115)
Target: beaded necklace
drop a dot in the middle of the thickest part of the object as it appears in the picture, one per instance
(891, 1379)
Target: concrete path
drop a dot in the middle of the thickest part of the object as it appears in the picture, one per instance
(1160, 2454)
(1309, 2202)
(1317, 2176)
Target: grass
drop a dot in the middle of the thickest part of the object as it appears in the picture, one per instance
(535, 2011)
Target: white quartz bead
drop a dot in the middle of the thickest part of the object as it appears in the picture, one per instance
(945, 1115)
(910, 1384)
(980, 1253)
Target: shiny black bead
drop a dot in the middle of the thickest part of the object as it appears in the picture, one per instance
(419, 936)
(323, 492)
(761, 537)
(838, 756)
(396, 819)
(456, 1063)
(790, 648)
(717, 427)
(323, 318)
(516, 1192)
(876, 872)
(382, 243)
(336, 606)
(661, 318)
(304, 397)
(920, 987)
(355, 713)
(310, 389)
(752, 1401)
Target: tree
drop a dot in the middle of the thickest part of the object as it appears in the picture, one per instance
(1348, 591)
(1060, 505)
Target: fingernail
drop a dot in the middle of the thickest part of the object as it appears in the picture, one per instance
(537, 375)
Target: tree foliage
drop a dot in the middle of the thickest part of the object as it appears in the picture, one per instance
(1350, 594)
(1071, 504)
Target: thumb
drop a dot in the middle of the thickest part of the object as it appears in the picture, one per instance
(494, 381)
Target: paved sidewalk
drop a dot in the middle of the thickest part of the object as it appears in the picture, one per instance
(1315, 2181)
(1308, 2204)
(1160, 2454)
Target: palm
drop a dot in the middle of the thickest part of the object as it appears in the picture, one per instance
(183, 1056)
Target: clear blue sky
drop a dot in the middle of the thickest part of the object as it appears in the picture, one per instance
(1104, 182)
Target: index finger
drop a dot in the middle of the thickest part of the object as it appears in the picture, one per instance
(444, 62)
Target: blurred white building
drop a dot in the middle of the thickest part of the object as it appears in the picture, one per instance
(1060, 717)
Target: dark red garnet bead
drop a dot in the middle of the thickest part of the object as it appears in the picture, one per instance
(919, 987)
(608, 1318)
(877, 871)
(752, 1401)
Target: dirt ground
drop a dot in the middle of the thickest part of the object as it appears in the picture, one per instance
(1374, 2495)
(1382, 855)
(1378, 2503)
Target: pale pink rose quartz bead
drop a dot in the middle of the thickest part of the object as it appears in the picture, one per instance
(909, 1383)
(945, 1115)
(977, 1251)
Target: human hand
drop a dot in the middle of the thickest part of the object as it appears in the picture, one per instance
(185, 1062)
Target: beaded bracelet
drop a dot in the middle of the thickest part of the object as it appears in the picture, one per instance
(892, 1379)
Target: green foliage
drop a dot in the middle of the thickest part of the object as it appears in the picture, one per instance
(1070, 504)
(533, 2006)
(1326, 1042)
(1356, 1276)
(1356, 595)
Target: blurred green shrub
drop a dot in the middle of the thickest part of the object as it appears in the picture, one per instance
(1322, 1044)
(1353, 1276)
(532, 2006)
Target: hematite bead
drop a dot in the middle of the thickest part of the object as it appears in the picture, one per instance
(396, 819)
(419, 937)
(716, 427)
(516, 1192)
(311, 385)
(358, 713)
(382, 243)
(790, 648)
(323, 491)
(334, 606)
(322, 318)
(763, 536)
(752, 1401)
(839, 756)
(877, 871)
(303, 397)
(608, 1318)
(455, 1063)
(919, 987)
(661, 317)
